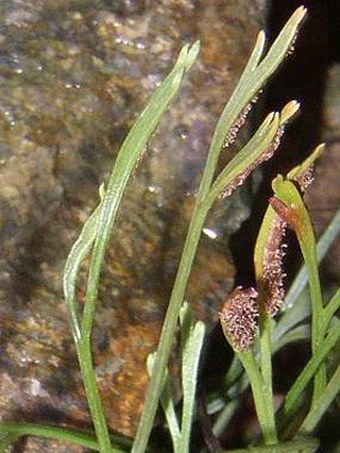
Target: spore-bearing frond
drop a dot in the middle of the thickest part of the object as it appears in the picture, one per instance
(271, 283)
(238, 123)
(239, 317)
(306, 178)
(266, 155)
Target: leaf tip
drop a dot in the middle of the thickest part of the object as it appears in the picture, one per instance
(301, 12)
(261, 40)
(289, 110)
(320, 149)
(192, 53)
(261, 36)
(298, 15)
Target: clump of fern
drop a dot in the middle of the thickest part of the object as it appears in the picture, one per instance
(247, 315)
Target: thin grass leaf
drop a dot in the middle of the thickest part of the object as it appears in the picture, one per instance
(234, 371)
(324, 244)
(225, 416)
(322, 404)
(192, 335)
(298, 334)
(167, 403)
(170, 414)
(331, 308)
(308, 372)
(83, 438)
(77, 254)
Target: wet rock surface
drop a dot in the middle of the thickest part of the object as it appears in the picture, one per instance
(73, 76)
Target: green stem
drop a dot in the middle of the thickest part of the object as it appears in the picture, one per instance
(318, 330)
(169, 327)
(82, 340)
(266, 368)
(259, 389)
(92, 394)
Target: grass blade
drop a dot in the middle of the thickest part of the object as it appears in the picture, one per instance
(309, 371)
(167, 404)
(83, 438)
(323, 246)
(192, 335)
(331, 308)
(322, 404)
(78, 252)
